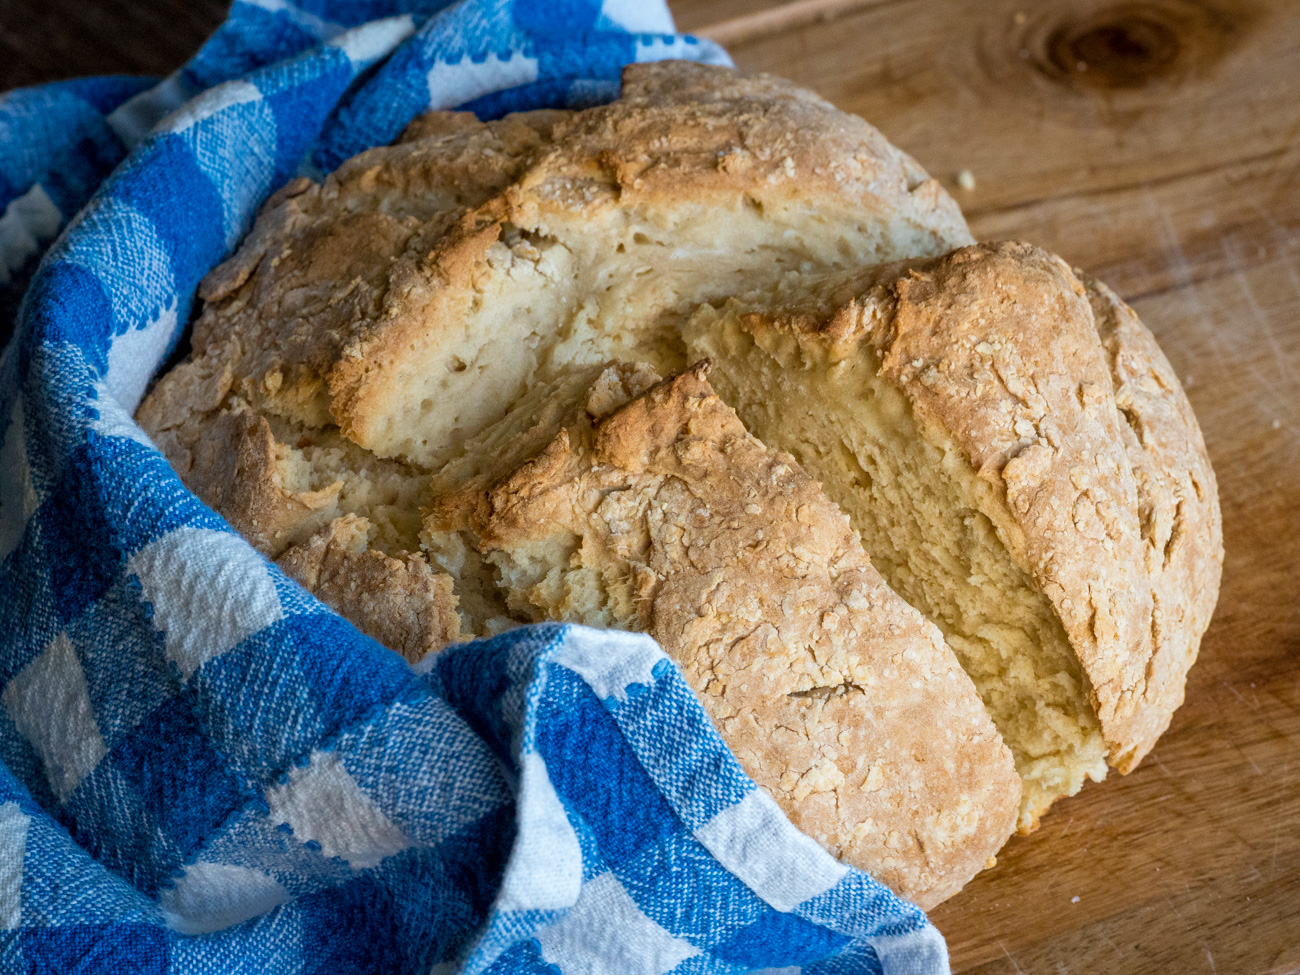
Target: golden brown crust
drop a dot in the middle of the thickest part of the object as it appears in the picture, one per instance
(1178, 506)
(995, 345)
(835, 695)
(329, 267)
(400, 602)
(227, 455)
(686, 134)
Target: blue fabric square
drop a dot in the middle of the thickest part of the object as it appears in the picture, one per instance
(390, 759)
(256, 704)
(481, 679)
(293, 113)
(351, 929)
(77, 539)
(719, 905)
(21, 760)
(704, 777)
(562, 17)
(67, 137)
(179, 779)
(523, 959)
(258, 36)
(189, 235)
(777, 940)
(608, 788)
(172, 505)
(27, 612)
(109, 819)
(96, 949)
(348, 676)
(122, 656)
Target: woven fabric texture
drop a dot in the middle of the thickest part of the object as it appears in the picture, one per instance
(204, 768)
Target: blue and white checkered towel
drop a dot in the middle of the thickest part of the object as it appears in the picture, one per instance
(204, 768)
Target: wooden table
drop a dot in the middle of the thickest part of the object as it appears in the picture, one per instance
(1157, 144)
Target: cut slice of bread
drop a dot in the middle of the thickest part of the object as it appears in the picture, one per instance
(962, 411)
(652, 509)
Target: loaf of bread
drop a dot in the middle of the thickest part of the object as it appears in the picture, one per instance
(927, 524)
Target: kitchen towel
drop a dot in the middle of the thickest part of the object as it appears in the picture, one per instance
(207, 770)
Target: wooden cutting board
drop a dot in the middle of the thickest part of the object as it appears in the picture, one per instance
(1155, 143)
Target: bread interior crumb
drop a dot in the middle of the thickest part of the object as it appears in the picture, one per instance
(924, 517)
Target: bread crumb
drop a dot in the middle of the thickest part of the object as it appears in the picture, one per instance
(1074, 899)
(965, 179)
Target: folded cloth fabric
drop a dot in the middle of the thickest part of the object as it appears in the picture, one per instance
(205, 769)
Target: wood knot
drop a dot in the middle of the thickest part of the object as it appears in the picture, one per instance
(1133, 45)
(1121, 49)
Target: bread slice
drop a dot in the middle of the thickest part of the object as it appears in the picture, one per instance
(962, 412)
(652, 509)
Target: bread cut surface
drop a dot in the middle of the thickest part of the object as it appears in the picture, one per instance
(652, 509)
(393, 348)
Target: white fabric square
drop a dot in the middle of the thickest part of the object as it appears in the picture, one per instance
(51, 708)
(114, 421)
(134, 355)
(464, 81)
(371, 41)
(637, 16)
(29, 223)
(545, 868)
(755, 841)
(922, 952)
(17, 496)
(209, 589)
(209, 103)
(610, 661)
(323, 802)
(13, 849)
(213, 896)
(606, 932)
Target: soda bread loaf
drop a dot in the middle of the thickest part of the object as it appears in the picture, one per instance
(928, 525)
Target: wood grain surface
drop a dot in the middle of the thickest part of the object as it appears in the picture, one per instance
(1155, 143)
